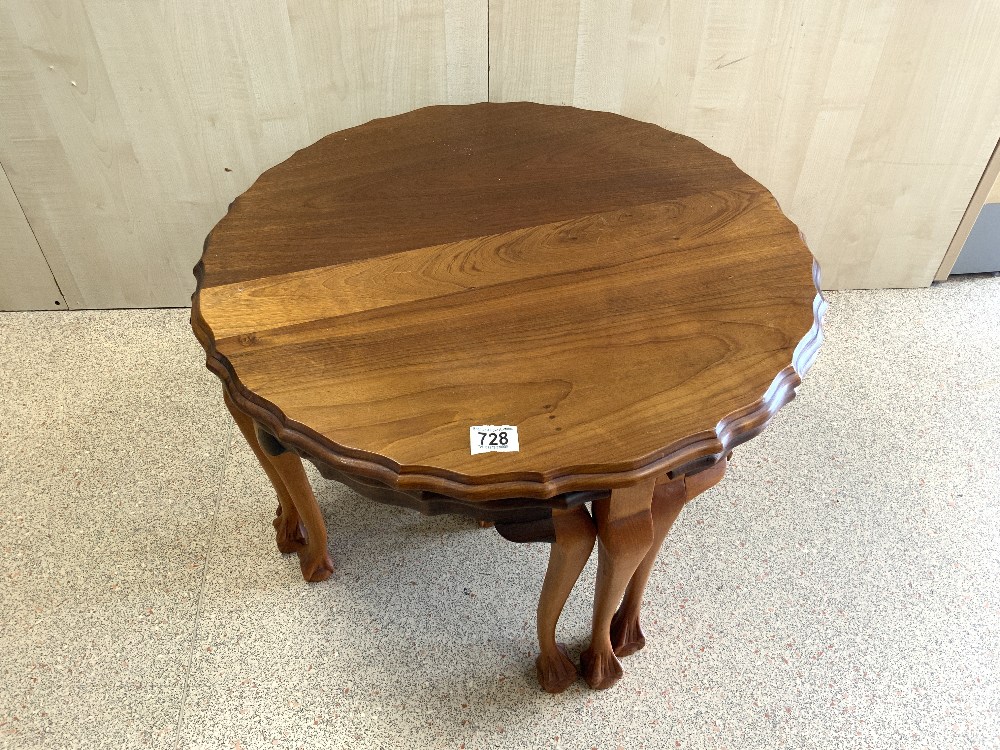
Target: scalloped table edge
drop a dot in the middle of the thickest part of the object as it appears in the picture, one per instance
(684, 456)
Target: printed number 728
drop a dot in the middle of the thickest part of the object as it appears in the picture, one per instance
(496, 438)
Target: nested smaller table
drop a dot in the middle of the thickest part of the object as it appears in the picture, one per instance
(619, 301)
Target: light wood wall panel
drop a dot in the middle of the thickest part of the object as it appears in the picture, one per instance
(129, 125)
(870, 120)
(25, 280)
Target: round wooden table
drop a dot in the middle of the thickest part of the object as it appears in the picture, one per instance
(626, 298)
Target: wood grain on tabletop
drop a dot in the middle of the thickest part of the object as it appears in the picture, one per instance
(615, 290)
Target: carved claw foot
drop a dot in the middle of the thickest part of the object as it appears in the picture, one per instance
(626, 634)
(315, 567)
(291, 534)
(555, 671)
(600, 669)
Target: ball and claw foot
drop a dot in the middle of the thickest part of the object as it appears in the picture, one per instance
(291, 534)
(315, 568)
(626, 635)
(557, 672)
(600, 669)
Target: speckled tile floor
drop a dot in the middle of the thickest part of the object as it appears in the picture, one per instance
(841, 588)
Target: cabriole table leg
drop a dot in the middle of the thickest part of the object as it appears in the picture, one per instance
(299, 522)
(625, 533)
(669, 497)
(574, 540)
(291, 536)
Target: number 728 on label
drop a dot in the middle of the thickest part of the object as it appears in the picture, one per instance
(491, 438)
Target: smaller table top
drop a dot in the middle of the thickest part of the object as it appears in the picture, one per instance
(625, 296)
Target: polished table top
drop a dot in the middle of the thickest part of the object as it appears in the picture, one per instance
(626, 297)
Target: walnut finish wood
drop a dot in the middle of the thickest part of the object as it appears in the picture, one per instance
(625, 534)
(505, 511)
(299, 523)
(291, 535)
(669, 497)
(314, 558)
(626, 296)
(574, 540)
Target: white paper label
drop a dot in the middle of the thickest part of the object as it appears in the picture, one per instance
(491, 438)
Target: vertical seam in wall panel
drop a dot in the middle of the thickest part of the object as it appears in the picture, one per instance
(38, 244)
(489, 10)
